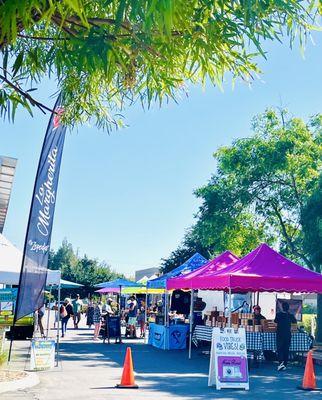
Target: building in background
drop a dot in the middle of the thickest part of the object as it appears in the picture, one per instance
(7, 173)
(146, 272)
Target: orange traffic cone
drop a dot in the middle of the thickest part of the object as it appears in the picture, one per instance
(127, 381)
(309, 382)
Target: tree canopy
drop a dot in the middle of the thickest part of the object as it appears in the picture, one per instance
(84, 270)
(312, 226)
(261, 189)
(106, 52)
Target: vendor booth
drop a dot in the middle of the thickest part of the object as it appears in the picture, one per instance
(186, 281)
(262, 270)
(172, 334)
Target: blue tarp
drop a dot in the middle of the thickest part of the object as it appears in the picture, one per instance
(117, 283)
(194, 262)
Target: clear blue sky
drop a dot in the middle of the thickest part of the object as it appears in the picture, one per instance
(127, 198)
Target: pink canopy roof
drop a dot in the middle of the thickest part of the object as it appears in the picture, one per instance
(263, 270)
(194, 278)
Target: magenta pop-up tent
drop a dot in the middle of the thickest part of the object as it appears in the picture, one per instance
(187, 281)
(263, 270)
(192, 279)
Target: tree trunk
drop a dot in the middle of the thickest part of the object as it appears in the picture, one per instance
(319, 319)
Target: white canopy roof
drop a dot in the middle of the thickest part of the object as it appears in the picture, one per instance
(10, 265)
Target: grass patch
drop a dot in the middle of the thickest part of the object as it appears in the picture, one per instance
(3, 358)
(306, 321)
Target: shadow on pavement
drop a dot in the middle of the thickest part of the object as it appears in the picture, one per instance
(170, 372)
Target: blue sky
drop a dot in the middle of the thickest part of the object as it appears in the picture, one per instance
(127, 197)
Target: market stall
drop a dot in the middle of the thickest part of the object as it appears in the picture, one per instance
(262, 270)
(172, 334)
(116, 286)
(186, 281)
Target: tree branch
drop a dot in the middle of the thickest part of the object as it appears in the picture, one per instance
(27, 96)
(41, 37)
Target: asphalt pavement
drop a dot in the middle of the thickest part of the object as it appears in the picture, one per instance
(90, 370)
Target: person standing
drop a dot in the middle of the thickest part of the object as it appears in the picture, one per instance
(258, 315)
(141, 319)
(283, 320)
(40, 314)
(66, 311)
(97, 319)
(89, 314)
(77, 310)
(132, 314)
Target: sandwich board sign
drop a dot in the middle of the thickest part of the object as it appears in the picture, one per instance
(42, 356)
(228, 359)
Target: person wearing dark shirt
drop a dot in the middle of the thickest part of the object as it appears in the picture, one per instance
(66, 311)
(257, 315)
(283, 320)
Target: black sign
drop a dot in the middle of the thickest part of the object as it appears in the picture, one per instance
(113, 326)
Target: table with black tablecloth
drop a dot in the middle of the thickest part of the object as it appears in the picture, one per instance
(258, 341)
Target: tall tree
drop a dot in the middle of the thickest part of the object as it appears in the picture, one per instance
(312, 230)
(103, 53)
(84, 270)
(260, 189)
(190, 245)
(261, 186)
(312, 226)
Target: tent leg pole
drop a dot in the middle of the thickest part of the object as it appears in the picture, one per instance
(145, 315)
(257, 299)
(165, 318)
(191, 322)
(58, 321)
(229, 308)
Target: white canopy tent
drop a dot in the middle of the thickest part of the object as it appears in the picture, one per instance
(10, 265)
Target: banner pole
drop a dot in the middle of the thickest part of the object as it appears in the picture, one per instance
(58, 320)
(48, 313)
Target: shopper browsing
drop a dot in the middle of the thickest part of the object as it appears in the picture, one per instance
(97, 319)
(66, 311)
(283, 320)
(77, 310)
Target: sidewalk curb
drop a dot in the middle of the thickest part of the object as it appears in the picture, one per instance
(31, 379)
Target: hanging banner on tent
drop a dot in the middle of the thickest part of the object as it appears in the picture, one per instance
(228, 359)
(37, 242)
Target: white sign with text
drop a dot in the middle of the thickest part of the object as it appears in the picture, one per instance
(228, 359)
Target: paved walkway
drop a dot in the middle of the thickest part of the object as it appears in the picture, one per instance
(90, 370)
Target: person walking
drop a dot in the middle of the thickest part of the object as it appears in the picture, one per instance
(97, 319)
(90, 314)
(40, 315)
(77, 310)
(283, 320)
(66, 311)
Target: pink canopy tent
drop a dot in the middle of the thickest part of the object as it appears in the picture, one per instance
(189, 281)
(262, 270)
(108, 290)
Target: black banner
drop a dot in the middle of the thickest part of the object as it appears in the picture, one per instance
(37, 242)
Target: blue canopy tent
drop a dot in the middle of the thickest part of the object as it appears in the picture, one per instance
(194, 262)
(118, 284)
(116, 287)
